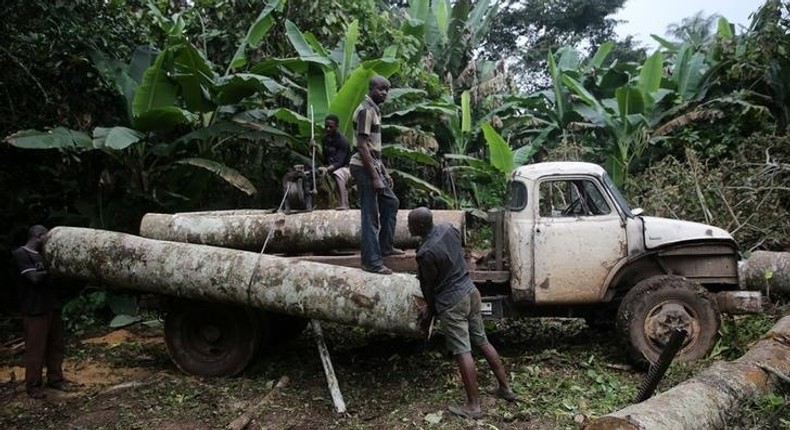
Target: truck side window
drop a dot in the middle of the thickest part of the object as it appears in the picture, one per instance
(516, 196)
(595, 200)
(571, 198)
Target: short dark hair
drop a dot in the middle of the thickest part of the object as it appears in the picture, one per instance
(332, 117)
(35, 231)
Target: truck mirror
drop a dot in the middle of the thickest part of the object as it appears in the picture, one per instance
(637, 211)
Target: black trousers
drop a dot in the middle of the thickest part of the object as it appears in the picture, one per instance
(44, 346)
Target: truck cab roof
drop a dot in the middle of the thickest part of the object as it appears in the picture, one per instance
(552, 168)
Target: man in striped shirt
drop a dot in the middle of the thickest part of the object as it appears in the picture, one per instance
(378, 203)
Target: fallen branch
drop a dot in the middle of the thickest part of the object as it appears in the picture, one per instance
(124, 386)
(705, 401)
(12, 342)
(13, 347)
(241, 422)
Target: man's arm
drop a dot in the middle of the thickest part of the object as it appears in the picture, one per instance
(35, 273)
(428, 275)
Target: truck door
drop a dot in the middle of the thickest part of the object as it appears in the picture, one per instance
(578, 238)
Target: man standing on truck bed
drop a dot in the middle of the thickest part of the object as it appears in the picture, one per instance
(378, 203)
(452, 296)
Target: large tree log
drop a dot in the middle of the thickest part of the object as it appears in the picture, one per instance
(313, 290)
(705, 401)
(295, 233)
(766, 271)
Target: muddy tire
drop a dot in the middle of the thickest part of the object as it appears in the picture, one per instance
(212, 339)
(656, 306)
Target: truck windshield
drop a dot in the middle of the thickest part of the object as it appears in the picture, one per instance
(616, 194)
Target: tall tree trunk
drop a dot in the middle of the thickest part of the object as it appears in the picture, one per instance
(766, 271)
(705, 401)
(314, 231)
(313, 290)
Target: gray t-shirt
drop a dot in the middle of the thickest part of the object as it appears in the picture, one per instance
(441, 268)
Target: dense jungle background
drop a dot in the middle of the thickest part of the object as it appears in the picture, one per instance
(110, 109)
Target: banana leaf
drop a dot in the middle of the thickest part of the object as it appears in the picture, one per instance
(234, 88)
(255, 33)
(156, 89)
(499, 152)
(348, 43)
(57, 138)
(230, 175)
(195, 76)
(115, 137)
(353, 91)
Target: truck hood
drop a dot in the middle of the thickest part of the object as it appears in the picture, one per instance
(663, 231)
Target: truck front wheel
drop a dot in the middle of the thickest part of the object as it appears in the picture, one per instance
(656, 306)
(211, 339)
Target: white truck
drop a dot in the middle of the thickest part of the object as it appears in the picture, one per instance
(567, 244)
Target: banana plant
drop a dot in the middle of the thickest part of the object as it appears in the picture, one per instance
(336, 81)
(168, 90)
(626, 116)
(448, 31)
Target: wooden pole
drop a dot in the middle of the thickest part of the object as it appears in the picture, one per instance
(329, 371)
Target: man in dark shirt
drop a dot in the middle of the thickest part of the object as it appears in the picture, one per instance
(41, 320)
(337, 154)
(452, 296)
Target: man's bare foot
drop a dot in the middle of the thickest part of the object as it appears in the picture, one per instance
(464, 412)
(502, 393)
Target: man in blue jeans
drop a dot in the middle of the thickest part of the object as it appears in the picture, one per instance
(451, 295)
(378, 203)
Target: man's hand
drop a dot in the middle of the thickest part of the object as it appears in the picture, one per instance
(312, 143)
(378, 185)
(424, 319)
(390, 182)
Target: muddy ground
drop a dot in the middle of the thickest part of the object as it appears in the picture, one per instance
(563, 372)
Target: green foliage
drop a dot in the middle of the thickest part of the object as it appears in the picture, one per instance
(81, 313)
(737, 334)
(255, 33)
(744, 194)
(527, 31)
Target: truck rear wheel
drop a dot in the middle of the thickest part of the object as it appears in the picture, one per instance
(656, 306)
(212, 339)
